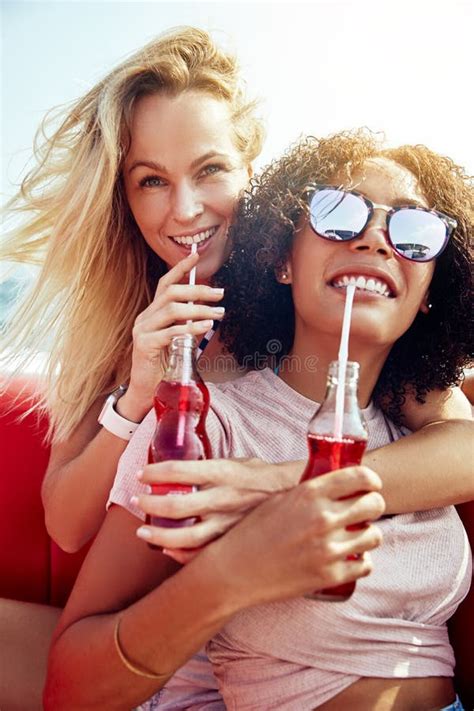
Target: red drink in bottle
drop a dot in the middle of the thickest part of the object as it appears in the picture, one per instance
(181, 403)
(326, 453)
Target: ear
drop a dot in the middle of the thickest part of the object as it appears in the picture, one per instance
(283, 274)
(425, 306)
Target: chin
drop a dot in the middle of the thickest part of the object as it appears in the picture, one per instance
(372, 334)
(207, 268)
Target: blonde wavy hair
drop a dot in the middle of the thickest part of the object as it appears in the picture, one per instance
(97, 273)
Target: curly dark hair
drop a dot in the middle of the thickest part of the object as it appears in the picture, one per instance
(259, 310)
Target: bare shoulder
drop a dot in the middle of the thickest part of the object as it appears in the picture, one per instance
(449, 404)
(468, 385)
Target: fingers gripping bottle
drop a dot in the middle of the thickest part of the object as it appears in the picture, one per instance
(181, 404)
(327, 453)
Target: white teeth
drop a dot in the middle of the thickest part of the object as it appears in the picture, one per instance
(363, 283)
(195, 239)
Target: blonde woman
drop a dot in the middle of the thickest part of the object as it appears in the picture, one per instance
(152, 159)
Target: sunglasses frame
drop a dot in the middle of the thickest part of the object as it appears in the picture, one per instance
(450, 223)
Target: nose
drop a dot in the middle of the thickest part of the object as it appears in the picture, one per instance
(375, 236)
(187, 204)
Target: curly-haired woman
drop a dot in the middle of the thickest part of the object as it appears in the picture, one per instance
(389, 643)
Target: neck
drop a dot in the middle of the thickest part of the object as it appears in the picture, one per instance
(217, 365)
(305, 368)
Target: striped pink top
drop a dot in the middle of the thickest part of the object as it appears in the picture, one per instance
(304, 652)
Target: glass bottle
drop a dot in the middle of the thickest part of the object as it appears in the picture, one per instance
(327, 453)
(181, 404)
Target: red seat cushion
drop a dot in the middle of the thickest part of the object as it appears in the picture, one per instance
(24, 542)
(32, 566)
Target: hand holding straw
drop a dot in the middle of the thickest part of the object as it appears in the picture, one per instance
(342, 360)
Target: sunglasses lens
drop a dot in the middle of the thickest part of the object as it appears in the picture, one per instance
(337, 215)
(417, 235)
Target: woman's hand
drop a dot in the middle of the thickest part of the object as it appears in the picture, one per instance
(154, 328)
(297, 541)
(228, 489)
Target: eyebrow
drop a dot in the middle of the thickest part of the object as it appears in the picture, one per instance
(147, 164)
(411, 201)
(162, 169)
(402, 201)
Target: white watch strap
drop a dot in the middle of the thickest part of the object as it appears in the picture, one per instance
(110, 419)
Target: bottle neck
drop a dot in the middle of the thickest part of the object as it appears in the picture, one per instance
(339, 413)
(182, 361)
(348, 377)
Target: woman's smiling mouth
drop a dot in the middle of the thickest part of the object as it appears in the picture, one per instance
(363, 283)
(197, 238)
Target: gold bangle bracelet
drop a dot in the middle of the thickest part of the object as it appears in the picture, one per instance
(127, 663)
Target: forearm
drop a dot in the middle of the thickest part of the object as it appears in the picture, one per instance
(427, 469)
(81, 473)
(251, 564)
(75, 494)
(159, 633)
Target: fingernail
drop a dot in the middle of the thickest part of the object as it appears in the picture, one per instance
(144, 533)
(219, 309)
(140, 474)
(134, 500)
(217, 291)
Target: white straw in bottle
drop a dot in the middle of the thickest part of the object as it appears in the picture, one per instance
(186, 372)
(342, 362)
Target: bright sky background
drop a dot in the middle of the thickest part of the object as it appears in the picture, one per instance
(401, 67)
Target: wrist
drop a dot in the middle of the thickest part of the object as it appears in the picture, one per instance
(114, 421)
(131, 407)
(291, 473)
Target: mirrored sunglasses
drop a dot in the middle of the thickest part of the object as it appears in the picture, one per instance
(414, 233)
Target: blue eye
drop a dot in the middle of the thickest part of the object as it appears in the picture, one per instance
(151, 181)
(212, 169)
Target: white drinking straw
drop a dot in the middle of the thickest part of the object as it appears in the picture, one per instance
(186, 374)
(192, 273)
(192, 277)
(342, 361)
